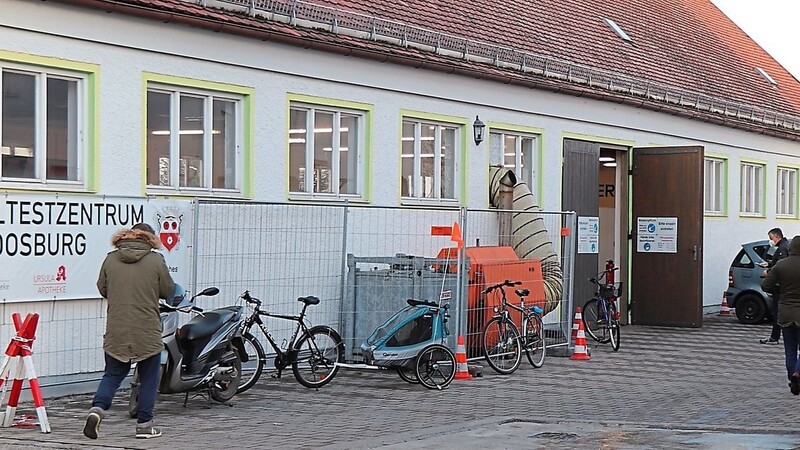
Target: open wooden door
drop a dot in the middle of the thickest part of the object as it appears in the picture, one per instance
(667, 236)
(579, 194)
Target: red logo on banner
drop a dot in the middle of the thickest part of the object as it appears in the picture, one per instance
(61, 273)
(170, 231)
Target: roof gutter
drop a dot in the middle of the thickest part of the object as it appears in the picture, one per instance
(307, 39)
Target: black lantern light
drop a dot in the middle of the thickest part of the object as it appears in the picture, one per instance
(478, 128)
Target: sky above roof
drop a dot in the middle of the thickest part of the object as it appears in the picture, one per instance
(773, 24)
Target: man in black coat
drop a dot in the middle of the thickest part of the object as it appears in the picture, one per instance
(776, 239)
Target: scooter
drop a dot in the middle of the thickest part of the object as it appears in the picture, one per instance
(204, 356)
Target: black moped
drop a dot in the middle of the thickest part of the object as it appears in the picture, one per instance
(204, 356)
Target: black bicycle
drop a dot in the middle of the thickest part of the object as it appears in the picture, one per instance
(311, 352)
(501, 340)
(600, 314)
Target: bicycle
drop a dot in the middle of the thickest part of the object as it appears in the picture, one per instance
(600, 314)
(501, 340)
(311, 352)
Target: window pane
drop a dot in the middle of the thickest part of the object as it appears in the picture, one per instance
(527, 168)
(407, 184)
(19, 125)
(191, 141)
(348, 155)
(448, 163)
(223, 135)
(62, 130)
(297, 149)
(323, 151)
(510, 153)
(495, 149)
(428, 140)
(158, 138)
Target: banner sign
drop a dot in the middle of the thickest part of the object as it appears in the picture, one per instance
(52, 247)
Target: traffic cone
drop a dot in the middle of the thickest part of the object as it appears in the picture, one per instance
(576, 322)
(581, 352)
(724, 309)
(462, 370)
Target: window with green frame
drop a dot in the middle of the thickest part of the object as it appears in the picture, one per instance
(45, 127)
(194, 139)
(714, 189)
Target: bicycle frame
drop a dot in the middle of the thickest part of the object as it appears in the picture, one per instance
(525, 315)
(283, 359)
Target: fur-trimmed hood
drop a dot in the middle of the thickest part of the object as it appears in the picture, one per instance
(134, 245)
(128, 234)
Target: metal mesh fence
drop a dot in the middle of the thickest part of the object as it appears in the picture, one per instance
(363, 262)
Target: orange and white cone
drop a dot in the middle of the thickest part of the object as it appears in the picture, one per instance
(581, 352)
(724, 309)
(576, 322)
(462, 369)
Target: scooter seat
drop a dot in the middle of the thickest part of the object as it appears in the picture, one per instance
(205, 325)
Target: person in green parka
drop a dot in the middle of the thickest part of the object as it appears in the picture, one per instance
(132, 278)
(784, 279)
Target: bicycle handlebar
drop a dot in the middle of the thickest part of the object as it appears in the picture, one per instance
(508, 283)
(246, 297)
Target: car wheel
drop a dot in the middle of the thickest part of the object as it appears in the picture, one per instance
(751, 309)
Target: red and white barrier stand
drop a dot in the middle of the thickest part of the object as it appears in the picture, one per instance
(18, 356)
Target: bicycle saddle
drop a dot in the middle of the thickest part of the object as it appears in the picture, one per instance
(310, 300)
(523, 292)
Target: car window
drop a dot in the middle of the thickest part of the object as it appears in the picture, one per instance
(742, 260)
(765, 252)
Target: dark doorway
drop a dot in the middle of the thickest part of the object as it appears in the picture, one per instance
(667, 236)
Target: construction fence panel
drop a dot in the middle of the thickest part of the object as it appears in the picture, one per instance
(278, 252)
(391, 257)
(542, 259)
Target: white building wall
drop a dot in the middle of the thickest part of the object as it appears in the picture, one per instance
(125, 46)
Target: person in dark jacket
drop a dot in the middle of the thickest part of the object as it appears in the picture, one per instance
(784, 278)
(776, 239)
(132, 278)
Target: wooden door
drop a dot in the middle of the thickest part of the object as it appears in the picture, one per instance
(579, 194)
(667, 236)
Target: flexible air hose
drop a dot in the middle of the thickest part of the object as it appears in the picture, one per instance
(529, 237)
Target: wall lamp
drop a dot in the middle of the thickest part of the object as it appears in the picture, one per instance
(478, 128)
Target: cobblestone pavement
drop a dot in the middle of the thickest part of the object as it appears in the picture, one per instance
(662, 382)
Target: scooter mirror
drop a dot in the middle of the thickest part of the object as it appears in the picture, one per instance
(209, 291)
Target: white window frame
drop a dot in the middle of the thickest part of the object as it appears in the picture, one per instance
(527, 174)
(751, 192)
(417, 194)
(208, 97)
(786, 192)
(40, 179)
(308, 183)
(715, 174)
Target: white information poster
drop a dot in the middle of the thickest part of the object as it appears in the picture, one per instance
(588, 234)
(51, 247)
(657, 235)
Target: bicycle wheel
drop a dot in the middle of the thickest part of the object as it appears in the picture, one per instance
(435, 366)
(613, 330)
(256, 358)
(409, 375)
(534, 340)
(500, 341)
(593, 322)
(318, 351)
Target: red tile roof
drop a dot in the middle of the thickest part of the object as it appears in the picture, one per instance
(686, 44)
